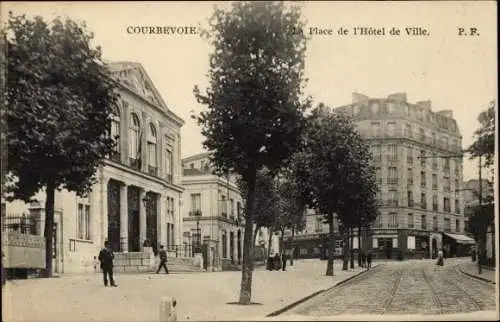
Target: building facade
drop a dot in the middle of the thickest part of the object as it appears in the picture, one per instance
(417, 155)
(212, 212)
(138, 194)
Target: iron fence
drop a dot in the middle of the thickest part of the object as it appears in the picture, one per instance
(185, 250)
(21, 224)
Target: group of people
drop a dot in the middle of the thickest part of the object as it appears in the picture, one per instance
(104, 263)
(277, 262)
(365, 259)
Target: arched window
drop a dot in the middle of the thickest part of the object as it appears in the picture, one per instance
(115, 129)
(134, 137)
(152, 143)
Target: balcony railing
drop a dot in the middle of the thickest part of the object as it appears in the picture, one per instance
(135, 163)
(152, 170)
(422, 138)
(409, 159)
(411, 203)
(434, 187)
(435, 207)
(410, 225)
(392, 180)
(423, 205)
(223, 214)
(435, 228)
(424, 226)
(194, 213)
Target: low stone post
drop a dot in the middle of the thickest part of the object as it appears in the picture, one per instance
(168, 312)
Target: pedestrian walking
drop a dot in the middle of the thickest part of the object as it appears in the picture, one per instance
(440, 257)
(277, 262)
(106, 257)
(163, 260)
(283, 261)
(369, 260)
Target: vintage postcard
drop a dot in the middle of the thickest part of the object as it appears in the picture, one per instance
(258, 160)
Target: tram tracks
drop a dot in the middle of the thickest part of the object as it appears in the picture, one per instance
(435, 297)
(393, 291)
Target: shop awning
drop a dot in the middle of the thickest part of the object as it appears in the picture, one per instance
(462, 239)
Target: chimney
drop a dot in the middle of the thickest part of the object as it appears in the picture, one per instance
(400, 97)
(357, 97)
(446, 113)
(425, 104)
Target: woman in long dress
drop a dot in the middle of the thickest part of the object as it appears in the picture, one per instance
(440, 256)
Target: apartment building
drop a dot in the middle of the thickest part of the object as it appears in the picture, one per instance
(417, 156)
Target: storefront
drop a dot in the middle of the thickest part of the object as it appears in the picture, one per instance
(455, 245)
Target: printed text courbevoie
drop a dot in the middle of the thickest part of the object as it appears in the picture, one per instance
(162, 30)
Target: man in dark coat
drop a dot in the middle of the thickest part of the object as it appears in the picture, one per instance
(284, 258)
(369, 260)
(106, 257)
(163, 260)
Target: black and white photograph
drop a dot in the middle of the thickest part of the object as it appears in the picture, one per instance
(249, 161)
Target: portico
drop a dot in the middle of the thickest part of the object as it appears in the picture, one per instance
(137, 209)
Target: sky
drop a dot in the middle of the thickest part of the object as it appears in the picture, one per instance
(457, 73)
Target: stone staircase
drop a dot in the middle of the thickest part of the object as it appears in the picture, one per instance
(146, 262)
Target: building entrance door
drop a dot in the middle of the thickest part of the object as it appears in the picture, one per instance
(231, 247)
(152, 219)
(114, 215)
(388, 248)
(239, 247)
(133, 219)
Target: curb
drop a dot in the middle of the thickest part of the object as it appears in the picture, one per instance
(476, 277)
(302, 300)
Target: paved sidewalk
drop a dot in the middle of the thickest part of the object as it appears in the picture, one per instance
(470, 268)
(200, 296)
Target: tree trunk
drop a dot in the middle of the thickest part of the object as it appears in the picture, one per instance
(292, 252)
(345, 250)
(351, 249)
(331, 246)
(49, 228)
(247, 269)
(359, 246)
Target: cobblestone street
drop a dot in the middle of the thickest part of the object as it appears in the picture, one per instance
(414, 287)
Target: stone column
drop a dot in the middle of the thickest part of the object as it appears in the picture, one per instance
(124, 217)
(142, 218)
(104, 209)
(162, 220)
